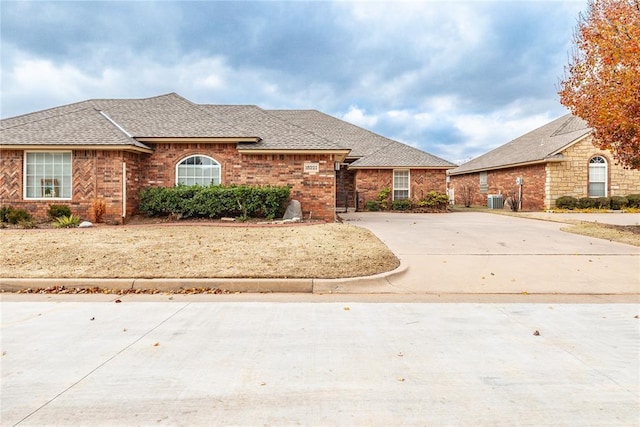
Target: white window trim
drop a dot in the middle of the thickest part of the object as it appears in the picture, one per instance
(24, 174)
(606, 175)
(393, 190)
(199, 155)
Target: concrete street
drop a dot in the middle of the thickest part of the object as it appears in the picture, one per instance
(320, 362)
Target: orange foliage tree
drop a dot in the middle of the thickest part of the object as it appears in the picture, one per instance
(602, 80)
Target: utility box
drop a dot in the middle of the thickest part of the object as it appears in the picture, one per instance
(494, 201)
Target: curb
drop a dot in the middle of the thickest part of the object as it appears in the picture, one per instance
(378, 283)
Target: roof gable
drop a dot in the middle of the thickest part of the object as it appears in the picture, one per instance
(535, 146)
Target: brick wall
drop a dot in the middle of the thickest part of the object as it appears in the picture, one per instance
(369, 182)
(570, 177)
(96, 174)
(503, 181)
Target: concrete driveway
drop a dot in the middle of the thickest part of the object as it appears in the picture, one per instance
(472, 252)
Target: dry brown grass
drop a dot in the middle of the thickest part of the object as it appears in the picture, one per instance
(194, 251)
(629, 234)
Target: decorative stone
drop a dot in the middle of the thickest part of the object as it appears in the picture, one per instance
(85, 224)
(294, 211)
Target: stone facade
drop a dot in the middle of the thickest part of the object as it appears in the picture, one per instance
(369, 182)
(570, 177)
(99, 174)
(545, 182)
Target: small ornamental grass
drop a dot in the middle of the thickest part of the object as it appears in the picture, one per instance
(70, 221)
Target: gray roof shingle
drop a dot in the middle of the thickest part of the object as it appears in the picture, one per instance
(276, 133)
(371, 150)
(535, 146)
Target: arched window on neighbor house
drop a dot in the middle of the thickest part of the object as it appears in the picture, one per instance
(198, 170)
(598, 177)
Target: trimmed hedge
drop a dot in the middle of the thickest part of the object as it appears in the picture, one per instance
(401, 205)
(634, 200)
(566, 202)
(215, 201)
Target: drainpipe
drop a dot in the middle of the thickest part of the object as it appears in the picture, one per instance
(124, 191)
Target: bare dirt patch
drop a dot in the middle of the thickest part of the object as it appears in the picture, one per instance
(194, 251)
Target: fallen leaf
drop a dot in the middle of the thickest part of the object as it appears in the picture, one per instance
(118, 301)
(156, 344)
(347, 309)
(263, 383)
(400, 354)
(93, 318)
(400, 379)
(536, 333)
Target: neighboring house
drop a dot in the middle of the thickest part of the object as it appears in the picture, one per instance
(110, 149)
(555, 160)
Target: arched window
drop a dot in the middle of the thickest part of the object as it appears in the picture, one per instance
(198, 170)
(598, 177)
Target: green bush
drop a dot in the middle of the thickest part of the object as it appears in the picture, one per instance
(434, 200)
(601, 203)
(401, 205)
(56, 211)
(384, 196)
(586, 203)
(14, 216)
(65, 221)
(634, 200)
(215, 201)
(618, 202)
(4, 214)
(566, 202)
(373, 205)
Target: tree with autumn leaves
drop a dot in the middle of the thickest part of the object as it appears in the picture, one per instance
(602, 82)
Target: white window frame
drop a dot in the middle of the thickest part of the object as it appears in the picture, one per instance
(217, 165)
(396, 186)
(59, 181)
(483, 183)
(598, 165)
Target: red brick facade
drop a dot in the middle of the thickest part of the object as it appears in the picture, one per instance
(503, 181)
(100, 174)
(369, 182)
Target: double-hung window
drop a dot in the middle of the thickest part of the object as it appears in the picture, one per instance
(400, 184)
(198, 170)
(597, 177)
(47, 175)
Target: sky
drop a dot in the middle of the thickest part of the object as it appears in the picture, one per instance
(453, 78)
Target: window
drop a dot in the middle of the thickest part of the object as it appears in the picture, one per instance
(198, 170)
(484, 185)
(597, 177)
(47, 175)
(400, 184)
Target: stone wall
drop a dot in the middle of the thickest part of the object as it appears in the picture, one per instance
(503, 181)
(570, 177)
(369, 182)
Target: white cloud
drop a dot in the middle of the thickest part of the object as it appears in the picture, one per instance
(359, 117)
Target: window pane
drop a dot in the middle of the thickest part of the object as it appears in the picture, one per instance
(596, 189)
(48, 175)
(198, 170)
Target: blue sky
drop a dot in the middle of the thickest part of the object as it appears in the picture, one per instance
(453, 78)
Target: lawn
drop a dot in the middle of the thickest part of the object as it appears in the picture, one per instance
(194, 251)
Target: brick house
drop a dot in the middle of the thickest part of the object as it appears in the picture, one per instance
(555, 160)
(109, 149)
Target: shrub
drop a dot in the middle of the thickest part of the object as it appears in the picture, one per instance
(373, 205)
(14, 216)
(566, 202)
(214, 201)
(384, 197)
(4, 214)
(434, 201)
(586, 203)
(27, 223)
(56, 211)
(601, 203)
(401, 205)
(98, 209)
(634, 200)
(618, 202)
(66, 221)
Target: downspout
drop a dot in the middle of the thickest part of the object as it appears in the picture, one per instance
(124, 191)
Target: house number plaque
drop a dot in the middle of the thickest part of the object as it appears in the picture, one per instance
(311, 167)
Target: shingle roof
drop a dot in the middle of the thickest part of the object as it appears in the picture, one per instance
(86, 126)
(275, 132)
(535, 146)
(371, 149)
